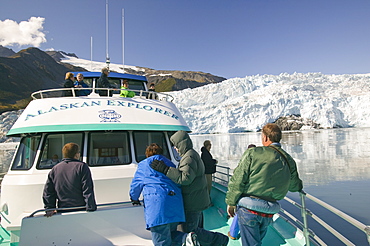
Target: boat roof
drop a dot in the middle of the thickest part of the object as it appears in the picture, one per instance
(112, 75)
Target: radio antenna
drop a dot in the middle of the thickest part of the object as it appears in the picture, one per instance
(123, 40)
(107, 61)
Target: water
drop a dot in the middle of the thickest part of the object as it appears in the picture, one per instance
(333, 164)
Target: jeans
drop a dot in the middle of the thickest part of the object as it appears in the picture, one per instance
(205, 238)
(167, 235)
(259, 205)
(253, 227)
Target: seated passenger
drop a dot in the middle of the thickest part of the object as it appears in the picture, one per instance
(152, 94)
(103, 82)
(125, 92)
(54, 160)
(81, 84)
(68, 83)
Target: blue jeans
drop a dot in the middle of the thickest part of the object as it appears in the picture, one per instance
(167, 235)
(259, 205)
(205, 238)
(253, 227)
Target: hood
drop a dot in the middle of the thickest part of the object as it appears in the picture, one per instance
(181, 141)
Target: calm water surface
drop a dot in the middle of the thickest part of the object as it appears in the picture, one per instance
(333, 164)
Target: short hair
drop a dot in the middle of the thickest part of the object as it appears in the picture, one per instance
(104, 69)
(153, 149)
(80, 74)
(69, 75)
(151, 84)
(207, 143)
(70, 150)
(272, 131)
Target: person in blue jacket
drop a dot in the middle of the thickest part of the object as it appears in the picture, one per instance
(163, 204)
(79, 83)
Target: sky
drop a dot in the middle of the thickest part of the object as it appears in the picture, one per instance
(228, 38)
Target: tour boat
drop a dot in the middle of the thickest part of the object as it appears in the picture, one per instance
(113, 133)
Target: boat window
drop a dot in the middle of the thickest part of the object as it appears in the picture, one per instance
(26, 153)
(143, 139)
(109, 148)
(52, 148)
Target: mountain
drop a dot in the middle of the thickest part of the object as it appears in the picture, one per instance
(28, 71)
(6, 52)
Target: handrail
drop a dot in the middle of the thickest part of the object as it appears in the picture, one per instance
(41, 94)
(304, 212)
(76, 208)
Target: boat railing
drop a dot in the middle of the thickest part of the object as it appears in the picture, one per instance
(112, 92)
(80, 208)
(222, 177)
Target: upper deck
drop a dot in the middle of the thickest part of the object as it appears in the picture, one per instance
(50, 111)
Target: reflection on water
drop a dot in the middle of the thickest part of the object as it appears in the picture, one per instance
(333, 164)
(322, 156)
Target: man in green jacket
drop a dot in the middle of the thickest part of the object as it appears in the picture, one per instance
(190, 175)
(263, 176)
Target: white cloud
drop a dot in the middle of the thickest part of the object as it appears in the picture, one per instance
(25, 33)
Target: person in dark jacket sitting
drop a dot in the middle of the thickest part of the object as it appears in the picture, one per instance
(103, 82)
(209, 163)
(68, 83)
(69, 183)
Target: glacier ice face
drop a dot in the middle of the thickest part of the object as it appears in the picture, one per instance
(246, 104)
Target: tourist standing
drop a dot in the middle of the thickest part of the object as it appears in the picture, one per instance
(209, 163)
(190, 175)
(263, 176)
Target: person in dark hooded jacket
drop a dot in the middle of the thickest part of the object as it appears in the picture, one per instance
(190, 175)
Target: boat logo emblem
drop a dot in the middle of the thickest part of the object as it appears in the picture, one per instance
(109, 115)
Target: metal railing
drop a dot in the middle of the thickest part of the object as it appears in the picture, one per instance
(52, 93)
(80, 208)
(219, 177)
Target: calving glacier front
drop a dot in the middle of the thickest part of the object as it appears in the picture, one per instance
(246, 104)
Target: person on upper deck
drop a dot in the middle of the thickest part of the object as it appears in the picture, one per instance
(103, 82)
(125, 92)
(263, 176)
(79, 83)
(152, 94)
(163, 202)
(190, 175)
(68, 83)
(69, 183)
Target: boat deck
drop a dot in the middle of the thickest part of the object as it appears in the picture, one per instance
(280, 232)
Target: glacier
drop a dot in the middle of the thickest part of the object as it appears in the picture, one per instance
(246, 104)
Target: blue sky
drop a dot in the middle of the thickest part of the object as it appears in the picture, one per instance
(229, 38)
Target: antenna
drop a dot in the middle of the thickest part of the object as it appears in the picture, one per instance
(91, 52)
(107, 61)
(123, 40)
